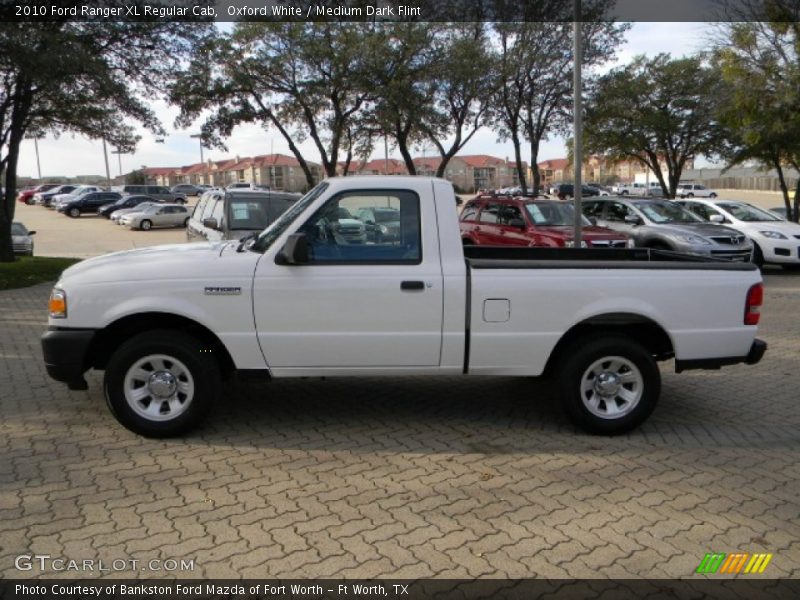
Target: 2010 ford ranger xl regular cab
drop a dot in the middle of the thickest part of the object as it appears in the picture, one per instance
(169, 324)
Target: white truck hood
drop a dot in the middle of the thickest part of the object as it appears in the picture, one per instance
(164, 263)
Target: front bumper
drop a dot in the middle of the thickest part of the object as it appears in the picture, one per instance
(66, 353)
(757, 350)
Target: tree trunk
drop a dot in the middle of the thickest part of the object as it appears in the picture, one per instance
(518, 161)
(536, 176)
(784, 188)
(401, 137)
(8, 206)
(796, 216)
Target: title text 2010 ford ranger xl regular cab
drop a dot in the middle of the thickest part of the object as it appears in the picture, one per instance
(169, 324)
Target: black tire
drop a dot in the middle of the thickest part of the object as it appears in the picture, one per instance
(145, 225)
(202, 367)
(712, 195)
(758, 256)
(689, 195)
(29, 201)
(623, 193)
(589, 351)
(186, 222)
(74, 213)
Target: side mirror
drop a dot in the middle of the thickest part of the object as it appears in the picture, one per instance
(593, 220)
(32, 233)
(211, 223)
(296, 250)
(633, 220)
(716, 219)
(518, 223)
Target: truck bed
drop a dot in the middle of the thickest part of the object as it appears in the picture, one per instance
(509, 257)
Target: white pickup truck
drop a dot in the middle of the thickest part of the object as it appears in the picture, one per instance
(170, 324)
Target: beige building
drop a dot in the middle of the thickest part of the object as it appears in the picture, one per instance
(595, 169)
(281, 172)
(278, 171)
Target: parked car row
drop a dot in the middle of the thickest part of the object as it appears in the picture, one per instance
(724, 229)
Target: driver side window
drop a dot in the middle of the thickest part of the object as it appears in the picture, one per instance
(617, 212)
(340, 232)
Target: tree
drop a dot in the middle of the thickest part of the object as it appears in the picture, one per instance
(136, 177)
(304, 79)
(462, 91)
(760, 106)
(403, 70)
(654, 111)
(534, 96)
(86, 78)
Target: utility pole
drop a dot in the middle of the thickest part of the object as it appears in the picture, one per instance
(385, 155)
(38, 165)
(200, 138)
(105, 157)
(578, 120)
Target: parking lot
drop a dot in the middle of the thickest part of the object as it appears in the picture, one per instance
(411, 478)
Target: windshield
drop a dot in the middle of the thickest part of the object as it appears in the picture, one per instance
(747, 212)
(248, 215)
(666, 212)
(387, 216)
(18, 229)
(274, 231)
(553, 213)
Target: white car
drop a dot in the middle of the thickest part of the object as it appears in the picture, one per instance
(118, 214)
(167, 324)
(694, 190)
(160, 215)
(775, 240)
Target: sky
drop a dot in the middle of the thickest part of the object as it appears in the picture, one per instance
(70, 155)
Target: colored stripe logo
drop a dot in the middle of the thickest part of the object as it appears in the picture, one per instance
(733, 564)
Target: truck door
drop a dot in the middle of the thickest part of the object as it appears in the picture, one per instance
(355, 304)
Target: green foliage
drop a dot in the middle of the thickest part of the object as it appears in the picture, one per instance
(87, 78)
(30, 270)
(137, 177)
(760, 106)
(658, 111)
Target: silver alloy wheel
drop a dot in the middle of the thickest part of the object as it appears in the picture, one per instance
(158, 387)
(611, 387)
(145, 225)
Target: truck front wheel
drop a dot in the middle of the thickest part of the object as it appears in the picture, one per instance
(161, 383)
(609, 384)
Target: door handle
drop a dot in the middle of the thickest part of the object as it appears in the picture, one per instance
(407, 286)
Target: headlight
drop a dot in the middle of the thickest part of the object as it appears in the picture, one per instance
(775, 235)
(571, 244)
(383, 229)
(58, 304)
(694, 239)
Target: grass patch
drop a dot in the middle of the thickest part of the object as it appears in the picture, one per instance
(30, 270)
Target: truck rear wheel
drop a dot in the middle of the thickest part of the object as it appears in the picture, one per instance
(160, 383)
(609, 384)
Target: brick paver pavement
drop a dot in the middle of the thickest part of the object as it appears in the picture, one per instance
(405, 478)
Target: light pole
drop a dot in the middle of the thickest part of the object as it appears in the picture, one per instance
(38, 164)
(578, 120)
(200, 138)
(105, 157)
(119, 154)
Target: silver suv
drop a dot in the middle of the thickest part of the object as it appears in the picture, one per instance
(666, 225)
(233, 214)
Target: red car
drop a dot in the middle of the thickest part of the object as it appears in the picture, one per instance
(26, 195)
(502, 221)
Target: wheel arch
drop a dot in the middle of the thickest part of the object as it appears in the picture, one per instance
(642, 329)
(111, 337)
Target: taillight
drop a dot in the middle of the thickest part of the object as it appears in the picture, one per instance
(752, 306)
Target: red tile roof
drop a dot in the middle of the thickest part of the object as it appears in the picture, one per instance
(481, 160)
(555, 164)
(160, 170)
